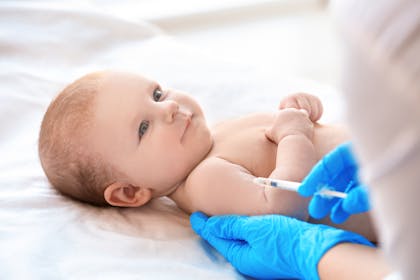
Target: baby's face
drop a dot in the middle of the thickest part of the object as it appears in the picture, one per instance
(154, 136)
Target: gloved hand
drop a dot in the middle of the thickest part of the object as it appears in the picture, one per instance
(271, 246)
(339, 171)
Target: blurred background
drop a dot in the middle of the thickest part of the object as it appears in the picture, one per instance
(295, 37)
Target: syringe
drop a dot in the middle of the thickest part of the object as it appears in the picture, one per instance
(293, 186)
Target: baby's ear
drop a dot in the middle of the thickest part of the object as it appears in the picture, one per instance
(126, 195)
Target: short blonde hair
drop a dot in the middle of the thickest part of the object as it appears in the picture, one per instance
(70, 167)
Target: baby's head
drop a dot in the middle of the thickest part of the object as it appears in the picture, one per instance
(113, 138)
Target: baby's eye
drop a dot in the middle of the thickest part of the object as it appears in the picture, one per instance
(144, 125)
(157, 94)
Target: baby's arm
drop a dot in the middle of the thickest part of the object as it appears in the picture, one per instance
(293, 133)
(296, 155)
(219, 187)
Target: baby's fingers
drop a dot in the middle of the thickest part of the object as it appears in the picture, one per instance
(304, 111)
(305, 101)
(316, 109)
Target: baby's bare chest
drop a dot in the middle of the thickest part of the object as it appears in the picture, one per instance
(242, 141)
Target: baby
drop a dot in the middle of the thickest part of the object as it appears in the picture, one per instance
(113, 138)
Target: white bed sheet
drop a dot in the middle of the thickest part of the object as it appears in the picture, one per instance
(46, 236)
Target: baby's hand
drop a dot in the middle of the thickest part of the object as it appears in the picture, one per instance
(290, 121)
(305, 101)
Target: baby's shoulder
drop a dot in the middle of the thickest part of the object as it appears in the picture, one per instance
(210, 186)
(213, 170)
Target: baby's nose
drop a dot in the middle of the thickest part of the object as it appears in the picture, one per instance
(170, 109)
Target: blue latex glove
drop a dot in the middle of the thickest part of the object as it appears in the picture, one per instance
(339, 171)
(271, 246)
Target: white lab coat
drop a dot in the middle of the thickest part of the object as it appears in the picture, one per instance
(381, 82)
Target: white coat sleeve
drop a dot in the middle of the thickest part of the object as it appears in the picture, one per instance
(381, 83)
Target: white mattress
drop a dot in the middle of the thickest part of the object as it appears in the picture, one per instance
(46, 236)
